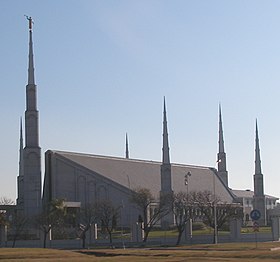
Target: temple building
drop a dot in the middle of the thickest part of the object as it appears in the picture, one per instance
(84, 178)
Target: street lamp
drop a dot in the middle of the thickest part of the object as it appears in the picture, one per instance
(214, 171)
(187, 181)
(189, 223)
(215, 206)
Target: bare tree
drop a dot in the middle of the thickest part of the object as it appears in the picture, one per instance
(213, 209)
(183, 210)
(17, 225)
(6, 201)
(6, 210)
(3, 220)
(88, 216)
(107, 214)
(51, 216)
(143, 199)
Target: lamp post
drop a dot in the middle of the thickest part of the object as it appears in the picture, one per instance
(214, 172)
(187, 182)
(189, 223)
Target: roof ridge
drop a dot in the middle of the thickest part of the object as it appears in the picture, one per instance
(126, 159)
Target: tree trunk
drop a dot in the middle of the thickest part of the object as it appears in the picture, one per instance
(180, 232)
(45, 238)
(146, 234)
(110, 237)
(215, 236)
(84, 239)
(14, 241)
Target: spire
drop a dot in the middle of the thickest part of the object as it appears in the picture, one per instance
(221, 136)
(165, 148)
(31, 182)
(221, 156)
(31, 78)
(258, 169)
(20, 176)
(166, 170)
(259, 196)
(126, 147)
(21, 150)
(31, 113)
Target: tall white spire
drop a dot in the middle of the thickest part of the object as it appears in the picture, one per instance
(20, 176)
(21, 165)
(221, 156)
(166, 181)
(258, 169)
(165, 170)
(259, 197)
(221, 135)
(31, 113)
(31, 78)
(165, 146)
(32, 151)
(126, 146)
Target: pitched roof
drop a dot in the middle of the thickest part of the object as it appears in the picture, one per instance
(133, 173)
(248, 194)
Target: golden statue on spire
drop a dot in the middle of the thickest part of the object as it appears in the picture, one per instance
(29, 18)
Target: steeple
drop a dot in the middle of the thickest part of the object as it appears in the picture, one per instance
(126, 147)
(31, 113)
(258, 169)
(166, 186)
(165, 147)
(20, 171)
(32, 151)
(21, 150)
(165, 169)
(221, 136)
(259, 197)
(221, 156)
(31, 78)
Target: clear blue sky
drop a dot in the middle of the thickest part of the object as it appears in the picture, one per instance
(103, 67)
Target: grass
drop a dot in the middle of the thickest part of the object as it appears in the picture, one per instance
(39, 254)
(245, 230)
(174, 233)
(232, 252)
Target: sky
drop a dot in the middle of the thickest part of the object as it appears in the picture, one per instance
(102, 69)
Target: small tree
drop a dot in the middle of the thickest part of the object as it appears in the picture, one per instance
(107, 214)
(5, 212)
(87, 218)
(143, 199)
(208, 204)
(183, 210)
(6, 201)
(3, 215)
(3, 220)
(17, 225)
(52, 215)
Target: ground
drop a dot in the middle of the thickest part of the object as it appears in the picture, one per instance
(240, 252)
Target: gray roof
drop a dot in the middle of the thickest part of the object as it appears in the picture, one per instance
(248, 194)
(133, 173)
(243, 193)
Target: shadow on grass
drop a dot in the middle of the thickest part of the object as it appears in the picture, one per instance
(107, 254)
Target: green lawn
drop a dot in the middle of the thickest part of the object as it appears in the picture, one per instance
(174, 233)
